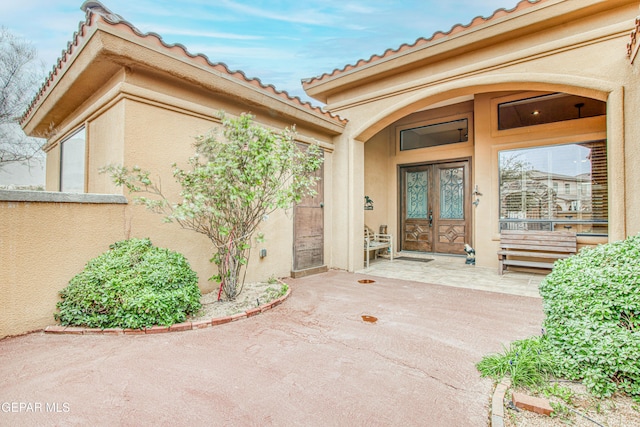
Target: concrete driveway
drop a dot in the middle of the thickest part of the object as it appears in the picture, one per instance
(311, 361)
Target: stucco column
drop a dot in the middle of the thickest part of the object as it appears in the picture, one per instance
(616, 166)
(631, 156)
(348, 203)
(356, 258)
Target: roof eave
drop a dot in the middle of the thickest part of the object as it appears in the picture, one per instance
(113, 45)
(514, 24)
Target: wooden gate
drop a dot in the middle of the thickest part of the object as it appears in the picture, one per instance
(308, 233)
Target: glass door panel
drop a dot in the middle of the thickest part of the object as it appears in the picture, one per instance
(416, 224)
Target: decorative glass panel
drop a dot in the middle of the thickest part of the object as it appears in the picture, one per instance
(452, 193)
(417, 183)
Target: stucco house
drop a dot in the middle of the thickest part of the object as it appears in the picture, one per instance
(524, 119)
(550, 86)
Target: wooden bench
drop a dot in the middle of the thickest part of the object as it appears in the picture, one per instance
(544, 247)
(375, 241)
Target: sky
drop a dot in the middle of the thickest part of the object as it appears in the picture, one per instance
(280, 42)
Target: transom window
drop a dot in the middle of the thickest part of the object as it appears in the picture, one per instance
(433, 135)
(560, 187)
(555, 107)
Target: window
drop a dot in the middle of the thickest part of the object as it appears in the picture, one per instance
(552, 108)
(434, 135)
(529, 179)
(72, 159)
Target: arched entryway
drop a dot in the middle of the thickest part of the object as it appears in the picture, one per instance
(414, 160)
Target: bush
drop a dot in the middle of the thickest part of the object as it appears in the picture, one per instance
(133, 285)
(527, 362)
(592, 317)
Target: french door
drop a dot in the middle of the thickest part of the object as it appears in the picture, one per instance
(435, 207)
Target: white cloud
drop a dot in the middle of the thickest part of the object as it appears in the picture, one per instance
(297, 15)
(164, 30)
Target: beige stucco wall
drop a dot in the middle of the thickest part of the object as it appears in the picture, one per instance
(347, 198)
(585, 56)
(624, 121)
(146, 127)
(42, 246)
(105, 146)
(377, 156)
(52, 169)
(137, 115)
(155, 138)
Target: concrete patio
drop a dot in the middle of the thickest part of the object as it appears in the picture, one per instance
(452, 271)
(310, 361)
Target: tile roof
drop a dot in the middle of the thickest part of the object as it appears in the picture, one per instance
(97, 11)
(458, 28)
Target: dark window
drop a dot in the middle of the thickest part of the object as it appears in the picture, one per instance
(434, 135)
(556, 107)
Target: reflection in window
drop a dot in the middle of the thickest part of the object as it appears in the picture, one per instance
(72, 159)
(434, 135)
(529, 183)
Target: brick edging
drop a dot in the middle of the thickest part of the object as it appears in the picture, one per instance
(497, 403)
(178, 327)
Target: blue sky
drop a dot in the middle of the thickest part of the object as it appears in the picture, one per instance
(280, 42)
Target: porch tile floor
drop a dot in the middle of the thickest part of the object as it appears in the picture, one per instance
(452, 271)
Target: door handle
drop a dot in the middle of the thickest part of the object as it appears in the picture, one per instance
(430, 218)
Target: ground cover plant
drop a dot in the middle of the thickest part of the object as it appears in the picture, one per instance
(133, 285)
(591, 331)
(527, 362)
(233, 184)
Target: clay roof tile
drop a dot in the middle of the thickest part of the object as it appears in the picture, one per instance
(457, 28)
(95, 10)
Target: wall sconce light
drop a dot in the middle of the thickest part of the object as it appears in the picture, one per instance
(368, 204)
(476, 193)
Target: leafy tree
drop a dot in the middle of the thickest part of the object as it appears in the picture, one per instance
(513, 168)
(19, 78)
(231, 186)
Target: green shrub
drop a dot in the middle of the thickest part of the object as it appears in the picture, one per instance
(592, 317)
(133, 285)
(527, 362)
